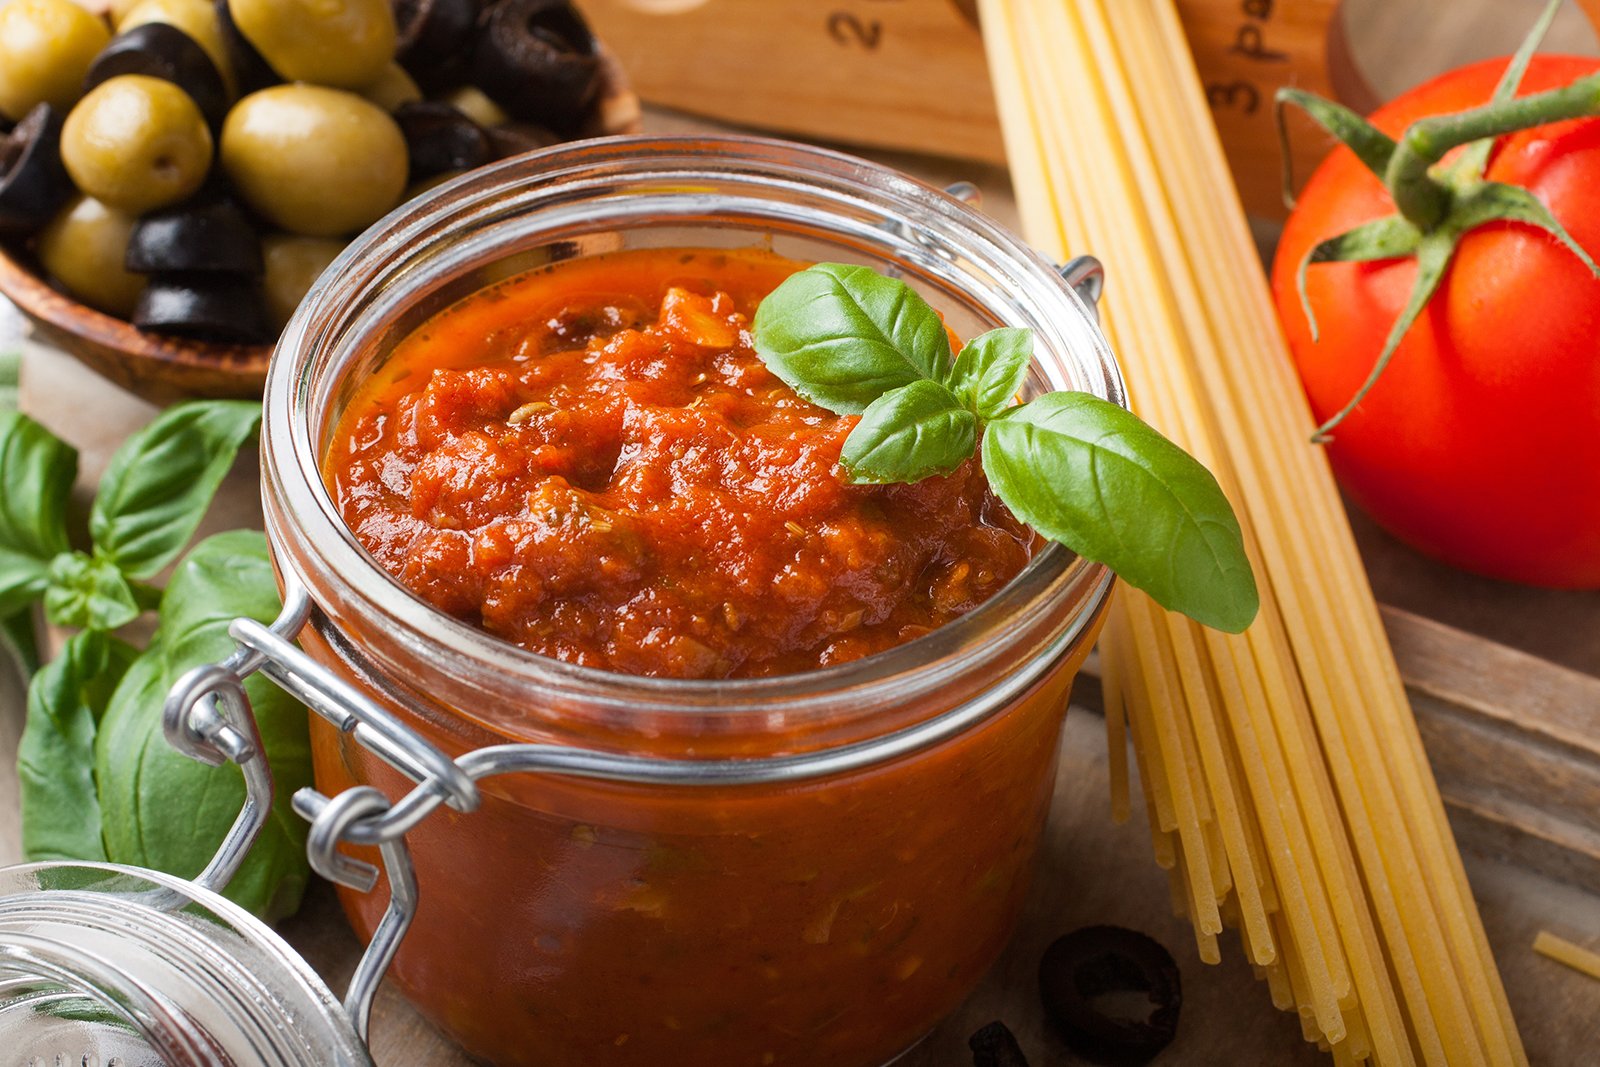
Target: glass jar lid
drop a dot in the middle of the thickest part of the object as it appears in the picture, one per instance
(109, 966)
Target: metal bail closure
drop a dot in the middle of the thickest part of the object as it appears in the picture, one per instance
(1086, 276)
(208, 717)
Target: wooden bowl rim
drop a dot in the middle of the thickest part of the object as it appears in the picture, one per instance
(39, 300)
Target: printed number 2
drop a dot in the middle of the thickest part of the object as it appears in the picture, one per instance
(849, 29)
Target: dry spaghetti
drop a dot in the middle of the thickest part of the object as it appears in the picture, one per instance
(1288, 792)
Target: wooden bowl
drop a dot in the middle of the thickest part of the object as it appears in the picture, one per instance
(163, 369)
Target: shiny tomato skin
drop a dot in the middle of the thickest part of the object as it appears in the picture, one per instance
(1481, 442)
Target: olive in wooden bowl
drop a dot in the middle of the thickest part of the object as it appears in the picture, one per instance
(174, 174)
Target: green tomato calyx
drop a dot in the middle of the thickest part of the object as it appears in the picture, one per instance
(1437, 203)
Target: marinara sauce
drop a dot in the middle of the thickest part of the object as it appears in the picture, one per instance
(591, 461)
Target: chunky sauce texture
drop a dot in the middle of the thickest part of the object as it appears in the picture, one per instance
(591, 460)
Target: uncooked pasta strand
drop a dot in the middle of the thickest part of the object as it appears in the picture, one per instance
(1283, 773)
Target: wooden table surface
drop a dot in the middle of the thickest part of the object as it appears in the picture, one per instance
(1091, 870)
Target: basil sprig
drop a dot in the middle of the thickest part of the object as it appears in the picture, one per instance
(97, 780)
(1076, 468)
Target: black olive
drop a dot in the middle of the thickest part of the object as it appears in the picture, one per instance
(226, 308)
(434, 40)
(535, 58)
(250, 71)
(166, 52)
(206, 234)
(996, 1046)
(34, 183)
(440, 138)
(515, 138)
(1095, 962)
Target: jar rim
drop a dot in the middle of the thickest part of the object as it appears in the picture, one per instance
(318, 341)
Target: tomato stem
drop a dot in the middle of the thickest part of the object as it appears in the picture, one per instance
(1425, 200)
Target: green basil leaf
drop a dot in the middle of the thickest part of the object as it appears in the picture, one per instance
(22, 577)
(160, 809)
(10, 376)
(37, 470)
(19, 641)
(88, 592)
(55, 758)
(910, 433)
(1093, 476)
(22, 580)
(990, 369)
(161, 481)
(842, 336)
(226, 576)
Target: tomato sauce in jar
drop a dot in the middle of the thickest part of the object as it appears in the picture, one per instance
(592, 461)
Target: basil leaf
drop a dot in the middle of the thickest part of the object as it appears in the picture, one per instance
(10, 377)
(88, 592)
(22, 581)
(18, 640)
(990, 369)
(910, 433)
(1094, 477)
(163, 810)
(37, 470)
(842, 336)
(22, 577)
(55, 758)
(161, 481)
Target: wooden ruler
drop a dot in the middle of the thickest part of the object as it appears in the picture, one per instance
(910, 74)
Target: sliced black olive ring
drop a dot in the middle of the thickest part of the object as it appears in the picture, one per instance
(34, 183)
(536, 59)
(1096, 961)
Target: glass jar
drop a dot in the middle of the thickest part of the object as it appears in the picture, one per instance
(762, 917)
(107, 965)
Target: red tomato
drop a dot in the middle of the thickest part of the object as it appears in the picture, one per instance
(1481, 443)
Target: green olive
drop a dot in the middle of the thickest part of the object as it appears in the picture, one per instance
(292, 264)
(476, 106)
(137, 143)
(83, 249)
(314, 161)
(46, 47)
(341, 43)
(393, 88)
(197, 18)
